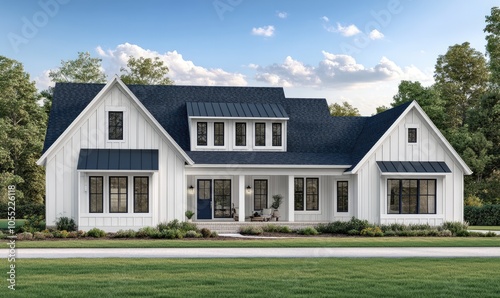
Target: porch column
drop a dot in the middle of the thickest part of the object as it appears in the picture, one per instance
(291, 200)
(241, 198)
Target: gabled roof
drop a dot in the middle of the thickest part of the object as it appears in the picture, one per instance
(235, 110)
(313, 136)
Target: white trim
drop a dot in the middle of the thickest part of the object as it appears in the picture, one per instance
(433, 127)
(116, 81)
(116, 171)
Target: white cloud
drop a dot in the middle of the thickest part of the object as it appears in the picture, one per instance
(350, 30)
(375, 34)
(183, 72)
(282, 14)
(325, 19)
(42, 81)
(335, 70)
(266, 31)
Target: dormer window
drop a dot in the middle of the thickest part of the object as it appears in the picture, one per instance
(219, 134)
(276, 134)
(241, 134)
(201, 134)
(260, 134)
(115, 126)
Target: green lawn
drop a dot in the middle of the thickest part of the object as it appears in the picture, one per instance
(448, 277)
(485, 228)
(290, 242)
(4, 222)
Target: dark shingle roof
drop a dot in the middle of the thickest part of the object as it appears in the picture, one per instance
(314, 137)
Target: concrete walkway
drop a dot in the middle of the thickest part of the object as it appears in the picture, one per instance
(343, 252)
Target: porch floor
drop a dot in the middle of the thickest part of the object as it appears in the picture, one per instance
(234, 226)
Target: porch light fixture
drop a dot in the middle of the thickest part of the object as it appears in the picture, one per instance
(249, 189)
(191, 189)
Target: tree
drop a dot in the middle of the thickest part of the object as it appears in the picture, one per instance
(145, 71)
(461, 79)
(343, 110)
(22, 130)
(493, 45)
(381, 109)
(427, 97)
(84, 69)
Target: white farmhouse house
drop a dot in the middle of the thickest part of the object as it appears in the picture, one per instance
(125, 157)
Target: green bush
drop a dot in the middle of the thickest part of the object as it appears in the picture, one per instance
(490, 234)
(192, 234)
(353, 232)
(214, 234)
(251, 230)
(125, 234)
(455, 227)
(372, 232)
(486, 215)
(25, 236)
(308, 231)
(389, 233)
(146, 232)
(96, 233)
(73, 234)
(24, 208)
(272, 228)
(61, 234)
(2, 235)
(34, 223)
(172, 234)
(188, 226)
(445, 233)
(66, 223)
(206, 233)
(39, 236)
(344, 227)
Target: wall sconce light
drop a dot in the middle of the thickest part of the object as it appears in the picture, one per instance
(191, 189)
(249, 189)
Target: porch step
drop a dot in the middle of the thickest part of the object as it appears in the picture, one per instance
(234, 226)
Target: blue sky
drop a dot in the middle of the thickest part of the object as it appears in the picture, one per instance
(355, 51)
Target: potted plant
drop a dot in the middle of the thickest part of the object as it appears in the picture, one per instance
(189, 214)
(277, 200)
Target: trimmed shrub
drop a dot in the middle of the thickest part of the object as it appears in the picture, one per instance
(455, 227)
(353, 232)
(188, 226)
(96, 233)
(125, 234)
(206, 233)
(61, 234)
(192, 234)
(147, 232)
(372, 232)
(73, 234)
(490, 234)
(251, 230)
(486, 215)
(25, 236)
(308, 231)
(214, 235)
(66, 223)
(39, 236)
(389, 233)
(445, 233)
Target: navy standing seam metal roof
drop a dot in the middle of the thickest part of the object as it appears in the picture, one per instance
(313, 136)
(118, 159)
(413, 167)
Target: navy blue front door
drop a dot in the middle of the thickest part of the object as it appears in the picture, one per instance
(204, 199)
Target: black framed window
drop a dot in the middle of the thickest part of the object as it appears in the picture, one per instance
(118, 194)
(222, 198)
(260, 134)
(312, 194)
(299, 193)
(412, 135)
(219, 134)
(276, 134)
(141, 194)
(115, 125)
(201, 133)
(260, 194)
(342, 196)
(241, 134)
(96, 194)
(411, 196)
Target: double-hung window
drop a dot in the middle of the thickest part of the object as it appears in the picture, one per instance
(115, 126)
(219, 134)
(342, 196)
(241, 134)
(260, 134)
(306, 194)
(201, 133)
(276, 134)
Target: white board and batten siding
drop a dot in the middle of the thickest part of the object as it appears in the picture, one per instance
(371, 186)
(65, 186)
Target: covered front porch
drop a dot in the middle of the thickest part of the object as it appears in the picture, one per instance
(226, 199)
